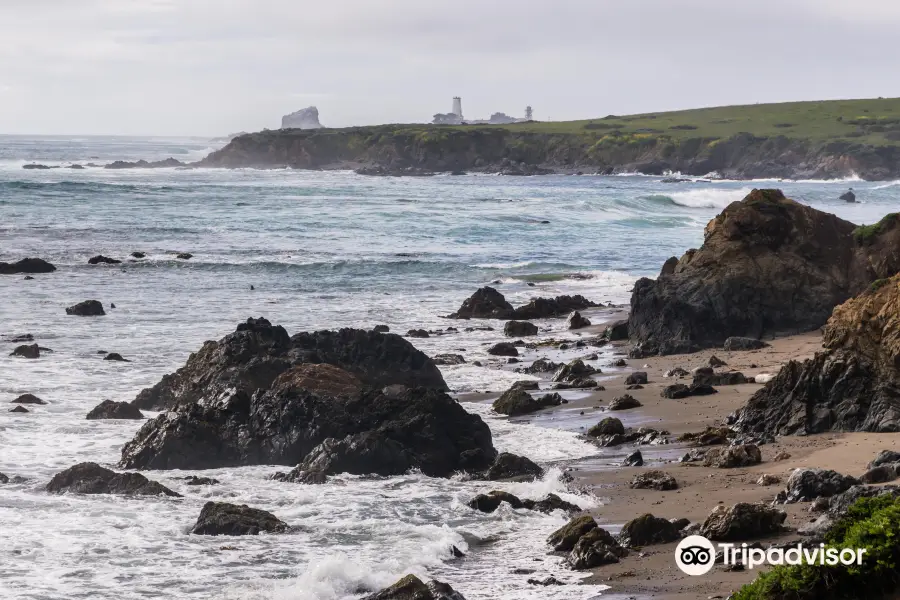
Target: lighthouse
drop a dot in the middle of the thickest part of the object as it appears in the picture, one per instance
(457, 107)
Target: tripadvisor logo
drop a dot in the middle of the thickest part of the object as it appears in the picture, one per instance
(696, 555)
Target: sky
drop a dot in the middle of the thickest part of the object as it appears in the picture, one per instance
(213, 67)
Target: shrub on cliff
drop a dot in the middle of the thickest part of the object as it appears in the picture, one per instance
(871, 523)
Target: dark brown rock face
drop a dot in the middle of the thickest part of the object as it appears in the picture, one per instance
(852, 385)
(114, 410)
(768, 265)
(221, 518)
(88, 308)
(258, 352)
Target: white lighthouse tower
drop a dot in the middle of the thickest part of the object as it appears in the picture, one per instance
(457, 107)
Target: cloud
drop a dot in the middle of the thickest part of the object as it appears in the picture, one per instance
(213, 66)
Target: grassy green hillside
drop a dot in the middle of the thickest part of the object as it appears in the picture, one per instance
(875, 122)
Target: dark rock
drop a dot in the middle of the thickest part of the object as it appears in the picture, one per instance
(654, 480)
(503, 349)
(31, 351)
(112, 304)
(885, 457)
(19, 339)
(595, 548)
(680, 390)
(624, 402)
(100, 259)
(545, 308)
(38, 167)
(417, 333)
(449, 359)
(805, 485)
(710, 379)
(115, 356)
(881, 474)
(28, 399)
(516, 401)
(676, 372)
(19, 409)
(681, 523)
(512, 467)
(742, 521)
(715, 362)
(3, 478)
(194, 480)
(490, 502)
(608, 426)
(88, 308)
(252, 357)
(381, 329)
(519, 329)
(221, 518)
(412, 588)
(526, 385)
(315, 417)
(848, 196)
(850, 386)
(634, 386)
(91, 478)
(138, 255)
(301, 475)
(541, 365)
(184, 256)
(621, 362)
(143, 164)
(548, 581)
(486, 303)
(635, 459)
(733, 457)
(565, 538)
(575, 370)
(648, 530)
(617, 331)
(33, 266)
(636, 378)
(768, 266)
(735, 344)
(576, 321)
(668, 267)
(114, 410)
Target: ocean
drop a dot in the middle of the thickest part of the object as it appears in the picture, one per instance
(322, 250)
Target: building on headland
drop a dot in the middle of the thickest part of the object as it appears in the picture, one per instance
(455, 117)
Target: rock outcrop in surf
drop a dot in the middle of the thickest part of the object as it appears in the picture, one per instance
(768, 266)
(488, 303)
(852, 385)
(257, 353)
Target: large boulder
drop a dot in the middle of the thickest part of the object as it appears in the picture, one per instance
(805, 485)
(28, 399)
(654, 480)
(565, 538)
(257, 353)
(91, 478)
(544, 308)
(647, 530)
(103, 260)
(503, 349)
(742, 344)
(88, 308)
(742, 521)
(577, 321)
(519, 329)
(221, 518)
(491, 501)
(768, 265)
(624, 402)
(678, 391)
(509, 466)
(305, 118)
(608, 426)
(486, 303)
(574, 371)
(594, 549)
(516, 401)
(27, 266)
(733, 457)
(114, 410)
(319, 427)
(885, 457)
(852, 385)
(412, 588)
(31, 351)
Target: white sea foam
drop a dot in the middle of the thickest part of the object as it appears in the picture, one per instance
(708, 197)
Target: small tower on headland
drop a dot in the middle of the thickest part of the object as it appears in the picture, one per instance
(457, 106)
(529, 114)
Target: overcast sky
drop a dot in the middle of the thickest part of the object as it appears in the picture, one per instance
(210, 67)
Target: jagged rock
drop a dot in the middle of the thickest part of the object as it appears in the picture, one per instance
(840, 504)
(668, 267)
(33, 266)
(711, 379)
(881, 474)
(576, 321)
(20, 339)
(3, 478)
(449, 359)
(114, 410)
(526, 384)
(624, 402)
(545, 308)
(676, 372)
(678, 391)
(251, 358)
(31, 351)
(695, 455)
(486, 303)
(19, 409)
(575, 370)
(647, 530)
(503, 349)
(105, 260)
(733, 457)
(885, 457)
(619, 362)
(381, 329)
(115, 357)
(548, 581)
(541, 365)
(91, 478)
(617, 331)
(608, 426)
(509, 466)
(412, 588)
(565, 538)
(850, 386)
(766, 480)
(28, 399)
(595, 548)
(138, 255)
(519, 329)
(516, 401)
(680, 524)
(735, 344)
(742, 521)
(715, 362)
(491, 501)
(320, 424)
(654, 480)
(221, 518)
(194, 480)
(184, 256)
(88, 308)
(636, 378)
(768, 266)
(781, 456)
(578, 384)
(635, 459)
(143, 164)
(305, 118)
(417, 333)
(302, 475)
(805, 485)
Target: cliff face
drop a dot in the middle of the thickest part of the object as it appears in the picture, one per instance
(437, 148)
(305, 118)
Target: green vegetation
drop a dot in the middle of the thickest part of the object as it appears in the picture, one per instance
(871, 523)
(866, 234)
(878, 284)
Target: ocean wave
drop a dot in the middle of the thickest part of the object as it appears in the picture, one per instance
(699, 198)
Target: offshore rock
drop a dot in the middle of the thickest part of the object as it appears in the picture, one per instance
(91, 478)
(519, 329)
(221, 518)
(25, 266)
(114, 410)
(88, 308)
(412, 588)
(516, 401)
